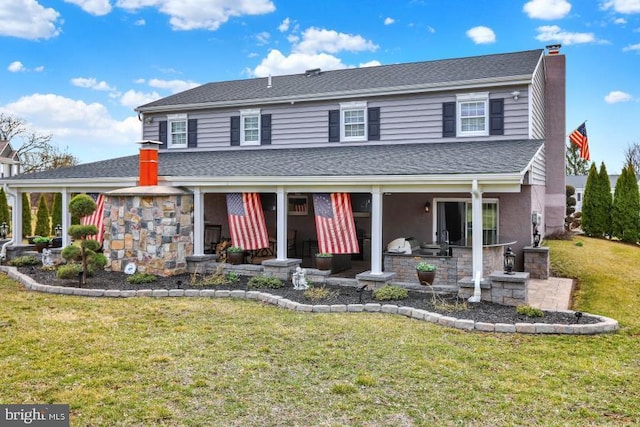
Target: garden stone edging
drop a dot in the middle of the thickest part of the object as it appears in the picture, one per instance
(605, 325)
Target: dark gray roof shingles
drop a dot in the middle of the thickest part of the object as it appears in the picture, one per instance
(468, 157)
(359, 79)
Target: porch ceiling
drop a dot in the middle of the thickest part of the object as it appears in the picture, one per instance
(405, 166)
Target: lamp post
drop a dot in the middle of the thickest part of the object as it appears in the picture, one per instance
(509, 261)
(58, 230)
(536, 238)
(4, 228)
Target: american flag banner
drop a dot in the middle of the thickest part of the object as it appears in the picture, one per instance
(580, 139)
(96, 218)
(334, 223)
(246, 221)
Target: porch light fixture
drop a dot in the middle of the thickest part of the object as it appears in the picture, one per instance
(58, 230)
(536, 238)
(4, 228)
(427, 207)
(509, 261)
(515, 94)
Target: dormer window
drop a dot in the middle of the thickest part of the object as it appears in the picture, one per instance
(473, 114)
(250, 127)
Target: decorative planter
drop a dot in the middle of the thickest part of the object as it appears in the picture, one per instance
(56, 242)
(324, 262)
(235, 258)
(426, 277)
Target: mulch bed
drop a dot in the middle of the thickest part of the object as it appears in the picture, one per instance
(448, 305)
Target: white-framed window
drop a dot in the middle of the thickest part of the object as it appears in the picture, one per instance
(250, 127)
(473, 114)
(353, 121)
(453, 221)
(177, 130)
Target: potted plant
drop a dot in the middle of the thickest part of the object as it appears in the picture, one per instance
(41, 242)
(426, 273)
(324, 261)
(235, 255)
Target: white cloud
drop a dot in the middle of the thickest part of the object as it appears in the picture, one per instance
(284, 25)
(554, 33)
(481, 35)
(620, 21)
(93, 7)
(632, 47)
(174, 86)
(389, 21)
(91, 83)
(373, 63)
(140, 23)
(87, 130)
(201, 14)
(263, 38)
(39, 69)
(16, 67)
(430, 29)
(617, 96)
(622, 6)
(547, 9)
(277, 64)
(27, 19)
(315, 40)
(133, 99)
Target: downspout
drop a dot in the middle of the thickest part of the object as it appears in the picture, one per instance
(3, 251)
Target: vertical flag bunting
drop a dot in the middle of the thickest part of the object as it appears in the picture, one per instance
(579, 138)
(334, 223)
(246, 221)
(96, 218)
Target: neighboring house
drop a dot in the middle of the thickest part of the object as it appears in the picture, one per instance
(579, 182)
(478, 142)
(9, 160)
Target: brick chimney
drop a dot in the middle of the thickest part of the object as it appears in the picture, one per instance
(149, 163)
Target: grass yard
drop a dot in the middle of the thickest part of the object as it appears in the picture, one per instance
(196, 362)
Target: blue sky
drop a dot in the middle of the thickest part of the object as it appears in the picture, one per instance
(76, 69)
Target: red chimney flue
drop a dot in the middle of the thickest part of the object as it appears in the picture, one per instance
(149, 163)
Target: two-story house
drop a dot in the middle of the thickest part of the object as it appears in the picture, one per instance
(465, 150)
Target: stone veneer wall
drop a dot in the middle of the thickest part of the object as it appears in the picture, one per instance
(404, 267)
(537, 262)
(155, 232)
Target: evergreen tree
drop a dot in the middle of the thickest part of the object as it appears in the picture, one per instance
(590, 202)
(626, 207)
(5, 216)
(570, 191)
(43, 224)
(575, 164)
(56, 212)
(607, 200)
(27, 228)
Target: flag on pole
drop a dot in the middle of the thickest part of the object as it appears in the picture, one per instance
(246, 221)
(580, 139)
(334, 223)
(96, 218)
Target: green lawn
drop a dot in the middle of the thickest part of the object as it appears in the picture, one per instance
(196, 362)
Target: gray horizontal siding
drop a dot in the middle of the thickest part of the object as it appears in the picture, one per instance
(537, 104)
(538, 170)
(402, 119)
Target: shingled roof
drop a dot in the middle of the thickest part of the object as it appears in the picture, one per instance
(467, 157)
(366, 80)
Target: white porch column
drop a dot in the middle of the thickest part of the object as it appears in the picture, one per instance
(198, 222)
(476, 241)
(376, 231)
(16, 218)
(281, 224)
(66, 218)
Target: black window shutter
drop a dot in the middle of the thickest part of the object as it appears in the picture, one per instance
(373, 123)
(192, 133)
(496, 116)
(235, 130)
(265, 129)
(334, 125)
(448, 119)
(162, 133)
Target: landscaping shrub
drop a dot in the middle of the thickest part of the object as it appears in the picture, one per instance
(319, 294)
(43, 225)
(69, 271)
(529, 311)
(261, 282)
(139, 278)
(25, 260)
(56, 212)
(26, 216)
(389, 293)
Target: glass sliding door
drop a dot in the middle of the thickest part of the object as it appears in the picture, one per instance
(454, 222)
